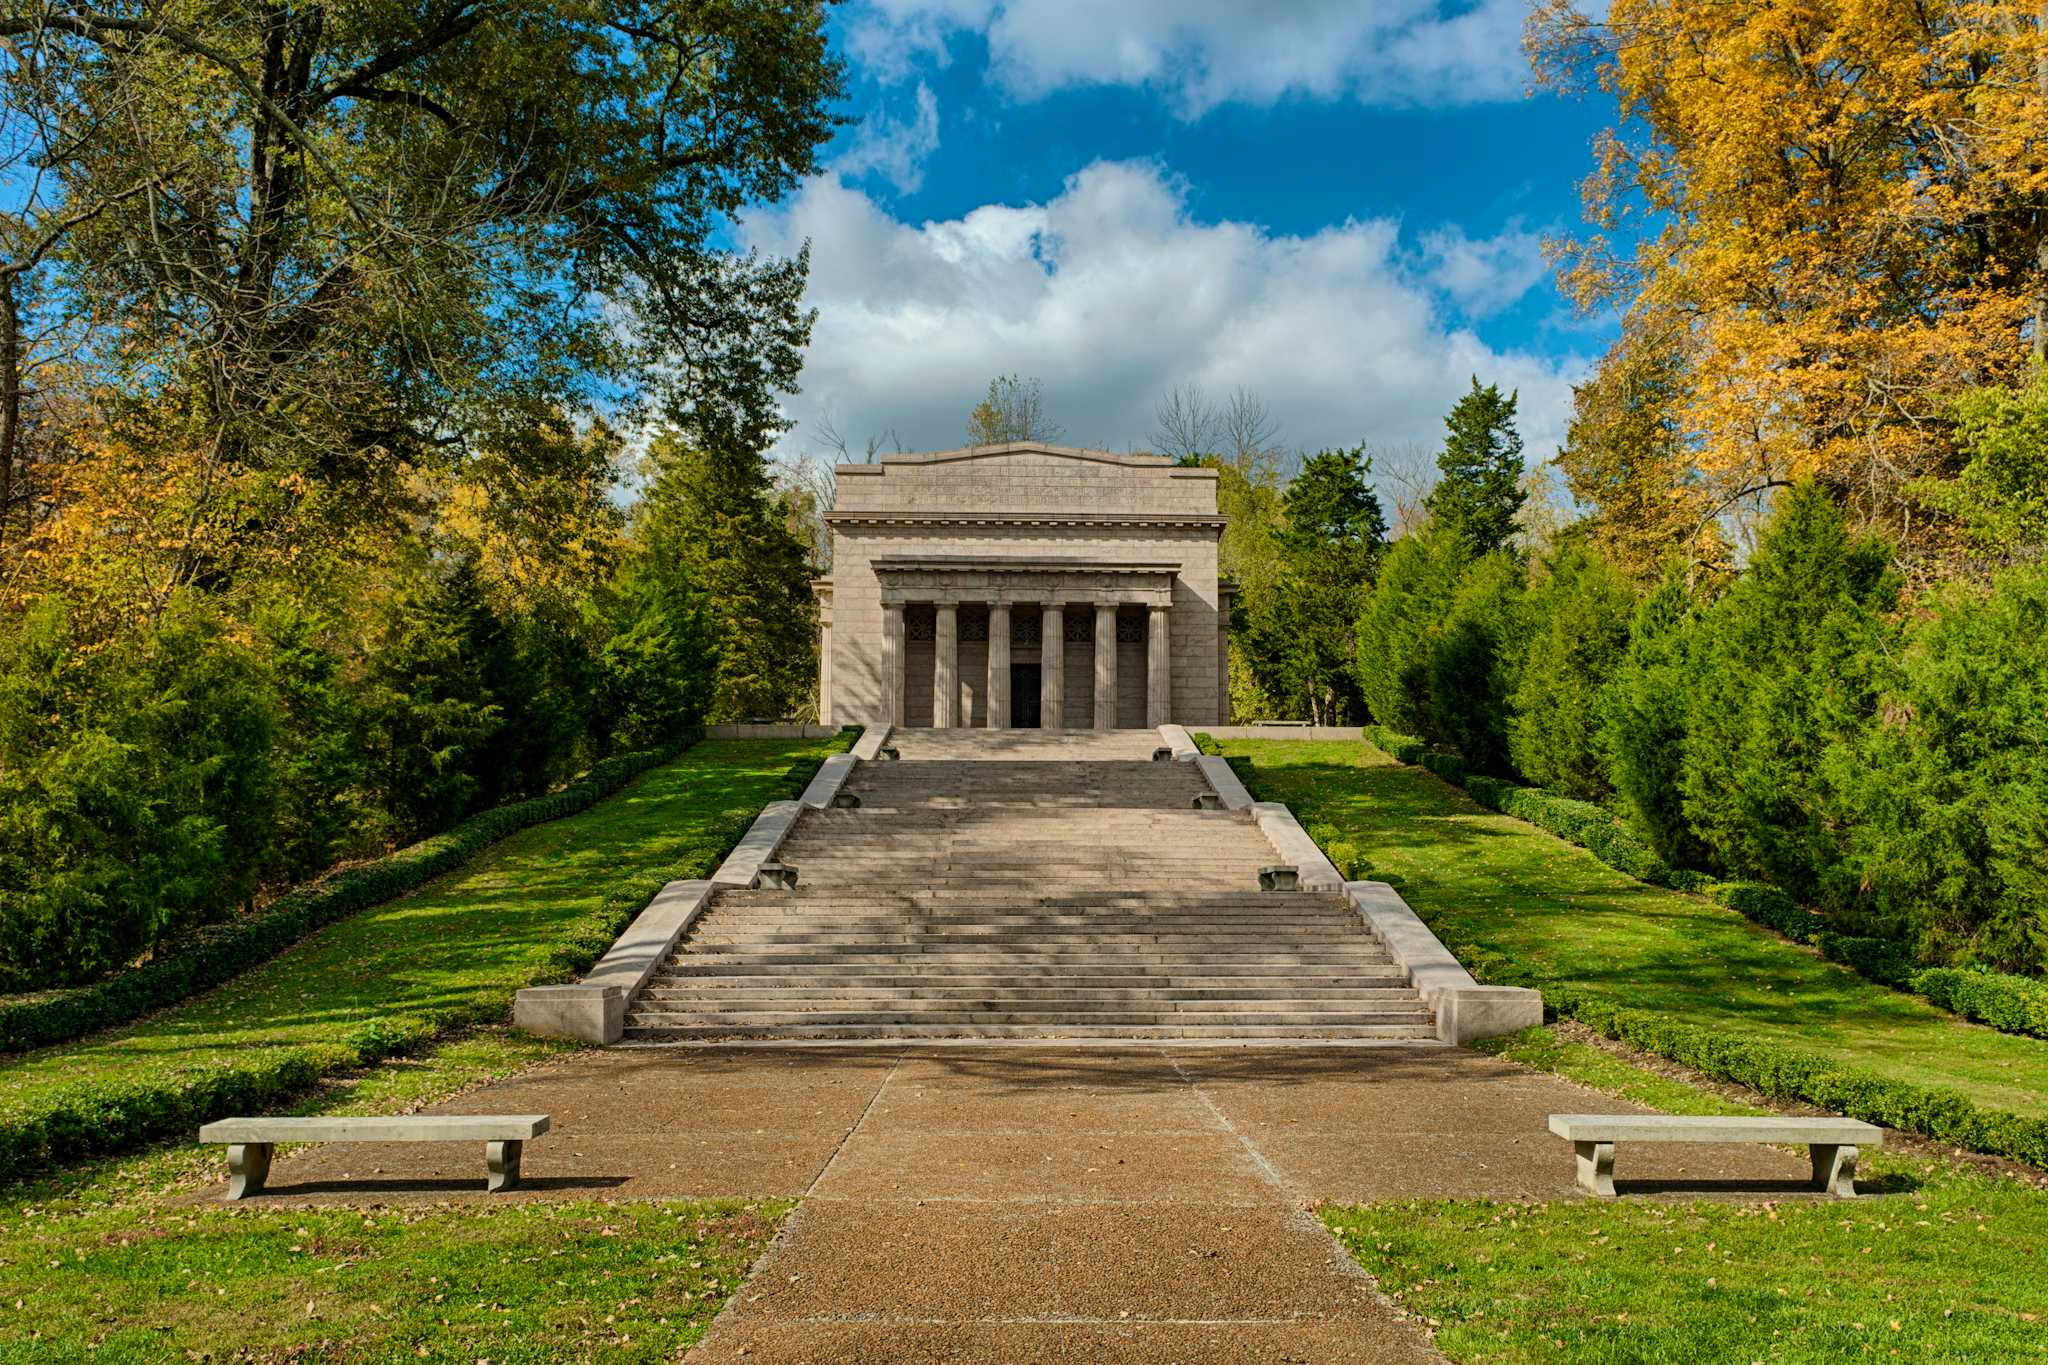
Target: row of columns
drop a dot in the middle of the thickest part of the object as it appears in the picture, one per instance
(1052, 637)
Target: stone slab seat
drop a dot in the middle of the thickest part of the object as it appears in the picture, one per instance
(1832, 1142)
(250, 1140)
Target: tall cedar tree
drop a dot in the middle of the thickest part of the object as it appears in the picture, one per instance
(713, 501)
(1481, 489)
(1785, 667)
(1577, 622)
(1642, 713)
(1474, 659)
(1331, 545)
(1398, 627)
(1948, 829)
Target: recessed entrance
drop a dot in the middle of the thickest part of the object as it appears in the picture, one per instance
(1024, 697)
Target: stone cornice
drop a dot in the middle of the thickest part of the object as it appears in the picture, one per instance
(1149, 520)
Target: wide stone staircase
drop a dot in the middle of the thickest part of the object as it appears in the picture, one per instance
(1019, 884)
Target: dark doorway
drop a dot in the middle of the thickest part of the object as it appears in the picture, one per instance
(1024, 697)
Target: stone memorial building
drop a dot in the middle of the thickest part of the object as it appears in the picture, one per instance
(1024, 585)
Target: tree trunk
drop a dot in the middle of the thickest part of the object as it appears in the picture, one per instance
(10, 399)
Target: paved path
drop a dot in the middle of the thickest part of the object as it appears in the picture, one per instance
(1039, 1203)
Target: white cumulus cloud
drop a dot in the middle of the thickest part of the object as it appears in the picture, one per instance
(1202, 53)
(1109, 293)
(895, 148)
(1484, 275)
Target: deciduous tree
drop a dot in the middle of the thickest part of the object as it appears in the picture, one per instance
(1834, 215)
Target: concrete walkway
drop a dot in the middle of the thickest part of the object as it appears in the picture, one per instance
(1040, 1203)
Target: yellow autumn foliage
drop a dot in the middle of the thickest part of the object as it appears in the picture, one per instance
(1833, 211)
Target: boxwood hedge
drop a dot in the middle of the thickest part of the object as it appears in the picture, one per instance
(211, 955)
(95, 1116)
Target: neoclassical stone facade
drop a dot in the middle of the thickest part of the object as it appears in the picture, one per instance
(1023, 585)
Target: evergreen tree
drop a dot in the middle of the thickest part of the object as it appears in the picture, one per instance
(1948, 822)
(1330, 547)
(1577, 620)
(1481, 489)
(1785, 669)
(713, 511)
(1642, 721)
(1399, 624)
(1473, 661)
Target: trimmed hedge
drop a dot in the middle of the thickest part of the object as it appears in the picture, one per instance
(1880, 959)
(1765, 904)
(1591, 827)
(1786, 1073)
(1778, 1071)
(1403, 748)
(101, 1117)
(2011, 1004)
(215, 953)
(2008, 1003)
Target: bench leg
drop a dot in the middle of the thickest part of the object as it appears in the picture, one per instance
(1834, 1168)
(248, 1168)
(502, 1160)
(1596, 1167)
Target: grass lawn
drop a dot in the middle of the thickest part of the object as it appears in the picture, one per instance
(1946, 1267)
(520, 1282)
(110, 1260)
(450, 954)
(1490, 880)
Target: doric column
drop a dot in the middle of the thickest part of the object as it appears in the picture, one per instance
(998, 666)
(946, 684)
(1158, 668)
(1105, 666)
(1052, 668)
(892, 662)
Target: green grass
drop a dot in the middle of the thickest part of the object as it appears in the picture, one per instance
(1946, 1268)
(1492, 881)
(518, 1282)
(447, 956)
(138, 1269)
(395, 1085)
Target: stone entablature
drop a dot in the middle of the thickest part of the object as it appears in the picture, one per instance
(991, 580)
(1023, 584)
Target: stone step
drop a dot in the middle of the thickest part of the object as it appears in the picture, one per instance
(1271, 926)
(756, 988)
(1315, 960)
(925, 936)
(1169, 1032)
(712, 972)
(1055, 1017)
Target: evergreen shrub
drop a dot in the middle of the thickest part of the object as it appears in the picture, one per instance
(210, 955)
(1880, 959)
(1577, 629)
(97, 1117)
(1767, 905)
(2010, 1004)
(1785, 1073)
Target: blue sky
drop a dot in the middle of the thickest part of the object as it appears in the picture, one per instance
(1337, 204)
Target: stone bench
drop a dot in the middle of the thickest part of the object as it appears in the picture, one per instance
(249, 1141)
(1831, 1142)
